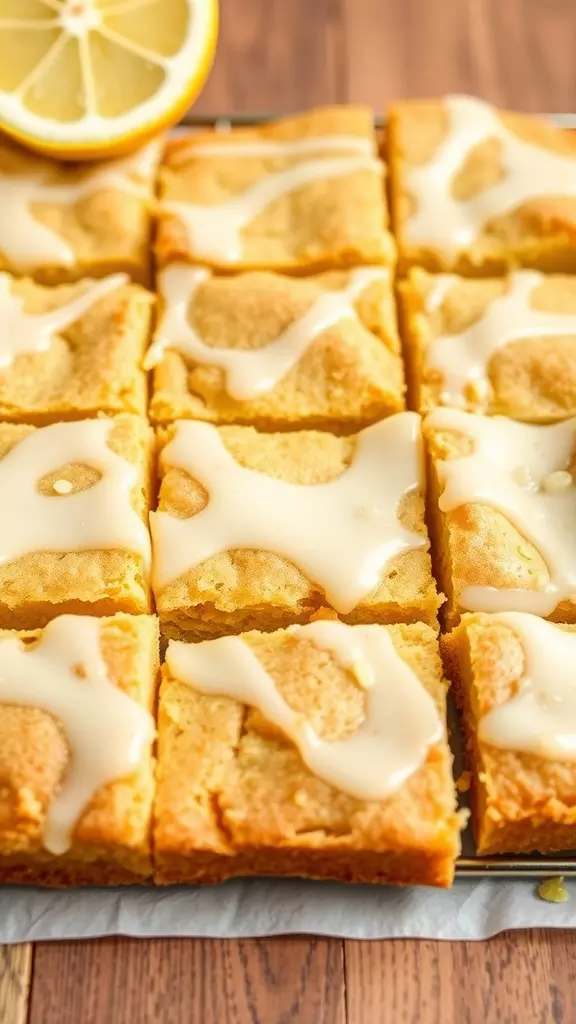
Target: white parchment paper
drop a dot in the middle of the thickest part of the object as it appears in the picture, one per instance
(258, 907)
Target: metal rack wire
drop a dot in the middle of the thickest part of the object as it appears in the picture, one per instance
(193, 120)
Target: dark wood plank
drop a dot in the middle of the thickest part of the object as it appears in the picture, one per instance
(15, 975)
(276, 55)
(117, 981)
(517, 52)
(515, 978)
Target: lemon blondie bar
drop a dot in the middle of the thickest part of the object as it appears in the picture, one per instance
(317, 751)
(301, 194)
(479, 191)
(72, 350)
(277, 352)
(76, 734)
(503, 513)
(514, 675)
(61, 221)
(262, 530)
(503, 346)
(73, 519)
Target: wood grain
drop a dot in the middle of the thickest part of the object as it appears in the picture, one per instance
(276, 55)
(15, 974)
(104, 982)
(282, 56)
(517, 52)
(286, 55)
(515, 978)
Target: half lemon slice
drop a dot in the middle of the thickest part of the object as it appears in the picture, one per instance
(81, 79)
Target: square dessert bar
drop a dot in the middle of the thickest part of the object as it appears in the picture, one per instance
(280, 754)
(480, 191)
(73, 350)
(62, 221)
(277, 352)
(73, 521)
(262, 530)
(301, 194)
(76, 733)
(502, 513)
(498, 345)
(514, 676)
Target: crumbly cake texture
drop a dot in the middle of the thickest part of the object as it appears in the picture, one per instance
(337, 222)
(540, 233)
(350, 376)
(92, 366)
(108, 230)
(234, 797)
(41, 585)
(520, 802)
(247, 589)
(476, 545)
(111, 841)
(533, 379)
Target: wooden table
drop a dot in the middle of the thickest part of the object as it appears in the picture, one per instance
(285, 55)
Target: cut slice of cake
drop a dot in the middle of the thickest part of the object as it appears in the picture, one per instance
(480, 191)
(317, 751)
(73, 522)
(502, 508)
(502, 346)
(276, 352)
(263, 530)
(72, 351)
(76, 735)
(301, 194)
(62, 221)
(515, 675)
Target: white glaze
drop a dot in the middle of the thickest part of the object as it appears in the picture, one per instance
(540, 718)
(215, 232)
(341, 534)
(401, 721)
(28, 243)
(98, 518)
(464, 358)
(285, 148)
(24, 333)
(508, 471)
(449, 225)
(107, 731)
(249, 372)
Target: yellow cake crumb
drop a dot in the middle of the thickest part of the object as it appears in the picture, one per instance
(553, 890)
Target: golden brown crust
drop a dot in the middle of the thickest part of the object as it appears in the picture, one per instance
(349, 377)
(234, 797)
(539, 234)
(240, 590)
(41, 585)
(111, 841)
(521, 803)
(108, 230)
(91, 366)
(346, 864)
(533, 379)
(476, 545)
(339, 222)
